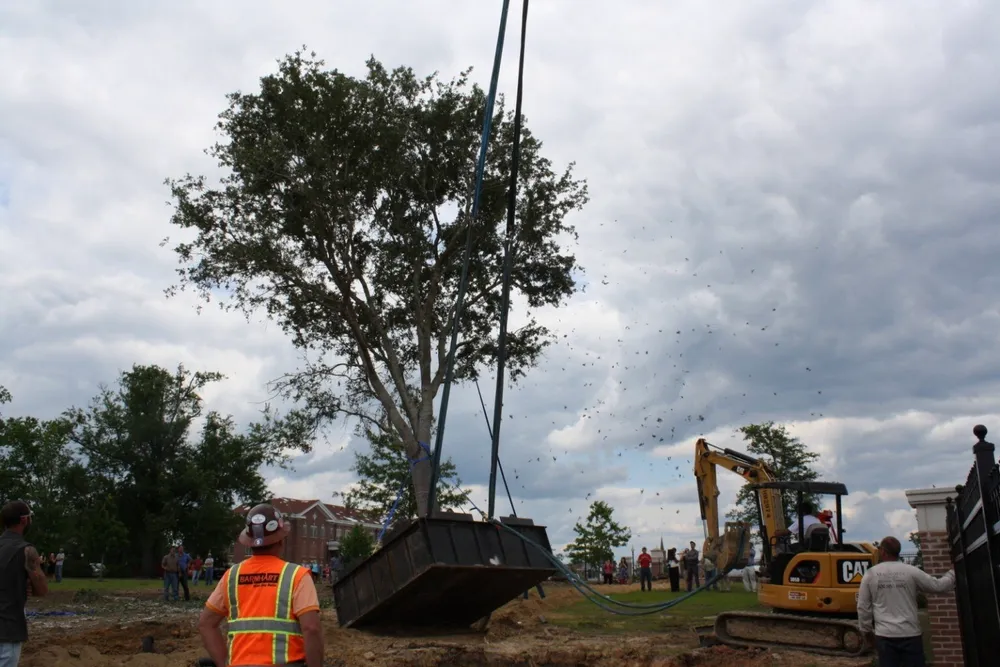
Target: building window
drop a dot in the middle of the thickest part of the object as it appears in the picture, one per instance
(313, 530)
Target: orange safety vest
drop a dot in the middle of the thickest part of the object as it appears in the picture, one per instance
(262, 629)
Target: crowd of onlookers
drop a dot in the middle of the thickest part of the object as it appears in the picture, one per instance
(179, 568)
(690, 566)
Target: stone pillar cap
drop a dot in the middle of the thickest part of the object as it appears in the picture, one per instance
(933, 496)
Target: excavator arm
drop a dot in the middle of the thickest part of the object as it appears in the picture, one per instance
(726, 549)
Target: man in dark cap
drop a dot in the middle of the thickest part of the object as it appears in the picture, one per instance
(21, 574)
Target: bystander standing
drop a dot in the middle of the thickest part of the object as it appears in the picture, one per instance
(209, 566)
(21, 575)
(60, 559)
(170, 576)
(690, 557)
(183, 561)
(645, 570)
(750, 572)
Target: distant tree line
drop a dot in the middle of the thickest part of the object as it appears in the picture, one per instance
(145, 465)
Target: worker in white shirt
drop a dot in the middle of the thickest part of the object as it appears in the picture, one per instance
(750, 573)
(887, 606)
(808, 513)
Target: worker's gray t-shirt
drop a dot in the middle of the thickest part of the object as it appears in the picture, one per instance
(887, 600)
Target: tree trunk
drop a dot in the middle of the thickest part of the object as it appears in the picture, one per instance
(421, 474)
(421, 477)
(149, 561)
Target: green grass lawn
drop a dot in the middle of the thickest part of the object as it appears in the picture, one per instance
(698, 610)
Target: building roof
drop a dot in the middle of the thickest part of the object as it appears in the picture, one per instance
(298, 506)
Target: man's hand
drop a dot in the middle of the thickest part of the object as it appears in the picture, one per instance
(37, 583)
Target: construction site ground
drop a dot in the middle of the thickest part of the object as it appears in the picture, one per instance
(85, 623)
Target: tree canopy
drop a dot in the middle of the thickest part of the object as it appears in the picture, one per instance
(597, 539)
(342, 214)
(787, 456)
(118, 481)
(385, 469)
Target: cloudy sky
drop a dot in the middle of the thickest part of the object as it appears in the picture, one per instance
(793, 217)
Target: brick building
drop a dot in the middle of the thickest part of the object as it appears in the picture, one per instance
(317, 529)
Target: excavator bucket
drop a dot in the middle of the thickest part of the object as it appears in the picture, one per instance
(734, 550)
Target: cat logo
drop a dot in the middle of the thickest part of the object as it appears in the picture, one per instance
(739, 470)
(852, 571)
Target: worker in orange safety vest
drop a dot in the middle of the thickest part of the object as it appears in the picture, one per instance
(271, 605)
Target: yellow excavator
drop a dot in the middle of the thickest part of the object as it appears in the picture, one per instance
(807, 575)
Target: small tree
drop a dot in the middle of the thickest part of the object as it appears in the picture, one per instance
(597, 538)
(356, 546)
(918, 560)
(788, 457)
(385, 470)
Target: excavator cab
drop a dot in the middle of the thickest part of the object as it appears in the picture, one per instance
(812, 569)
(818, 537)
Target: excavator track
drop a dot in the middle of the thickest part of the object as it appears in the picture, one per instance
(823, 636)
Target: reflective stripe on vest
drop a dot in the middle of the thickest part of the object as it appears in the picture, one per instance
(280, 626)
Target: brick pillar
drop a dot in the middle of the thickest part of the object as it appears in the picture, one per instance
(946, 640)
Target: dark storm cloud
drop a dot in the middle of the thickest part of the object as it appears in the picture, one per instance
(807, 194)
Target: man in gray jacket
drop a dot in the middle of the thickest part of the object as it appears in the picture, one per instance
(887, 606)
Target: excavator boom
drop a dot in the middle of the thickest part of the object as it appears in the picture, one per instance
(723, 549)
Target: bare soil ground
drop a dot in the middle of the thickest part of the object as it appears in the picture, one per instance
(109, 627)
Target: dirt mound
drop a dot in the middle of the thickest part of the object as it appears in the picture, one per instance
(90, 656)
(722, 656)
(175, 644)
(523, 632)
(167, 637)
(521, 651)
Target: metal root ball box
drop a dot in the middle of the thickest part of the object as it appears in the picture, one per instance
(446, 571)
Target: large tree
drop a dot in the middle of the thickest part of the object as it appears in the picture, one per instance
(384, 472)
(342, 213)
(74, 508)
(787, 456)
(167, 482)
(597, 539)
(38, 466)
